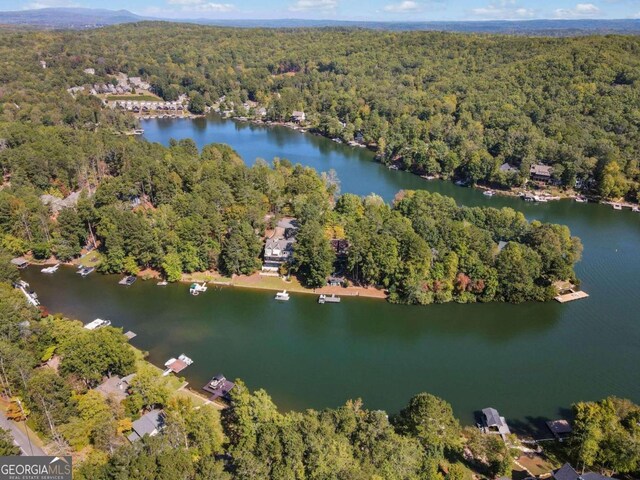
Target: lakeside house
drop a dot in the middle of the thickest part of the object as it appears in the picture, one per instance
(116, 387)
(540, 172)
(507, 168)
(567, 472)
(149, 424)
(278, 248)
(298, 117)
(493, 423)
(56, 204)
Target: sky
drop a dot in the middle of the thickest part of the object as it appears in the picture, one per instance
(386, 10)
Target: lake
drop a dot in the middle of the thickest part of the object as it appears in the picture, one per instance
(529, 361)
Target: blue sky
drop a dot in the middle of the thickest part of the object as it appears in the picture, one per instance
(418, 10)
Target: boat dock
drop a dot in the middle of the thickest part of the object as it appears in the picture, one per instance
(30, 295)
(97, 323)
(176, 365)
(130, 335)
(328, 299)
(219, 387)
(567, 292)
(571, 296)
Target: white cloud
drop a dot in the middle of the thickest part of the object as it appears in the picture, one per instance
(503, 10)
(317, 5)
(202, 6)
(406, 6)
(581, 10)
(50, 4)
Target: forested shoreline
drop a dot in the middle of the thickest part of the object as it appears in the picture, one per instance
(446, 104)
(51, 367)
(177, 210)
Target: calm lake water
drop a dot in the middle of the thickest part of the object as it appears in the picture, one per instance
(530, 361)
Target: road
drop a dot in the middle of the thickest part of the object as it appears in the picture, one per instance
(20, 437)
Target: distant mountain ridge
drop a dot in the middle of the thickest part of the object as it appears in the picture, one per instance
(82, 18)
(68, 17)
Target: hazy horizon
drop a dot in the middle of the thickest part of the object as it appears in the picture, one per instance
(358, 10)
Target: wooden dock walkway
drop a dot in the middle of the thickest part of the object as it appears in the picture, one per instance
(571, 296)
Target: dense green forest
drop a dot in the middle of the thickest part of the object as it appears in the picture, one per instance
(179, 210)
(50, 366)
(440, 103)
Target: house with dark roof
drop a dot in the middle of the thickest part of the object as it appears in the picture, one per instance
(149, 424)
(567, 472)
(540, 173)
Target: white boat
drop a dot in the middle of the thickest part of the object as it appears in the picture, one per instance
(185, 359)
(488, 193)
(282, 296)
(97, 323)
(196, 289)
(84, 271)
(52, 269)
(616, 206)
(163, 283)
(635, 209)
(580, 199)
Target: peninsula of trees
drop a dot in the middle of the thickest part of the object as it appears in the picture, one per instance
(175, 209)
(454, 105)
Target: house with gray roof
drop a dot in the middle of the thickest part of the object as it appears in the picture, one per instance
(567, 472)
(149, 424)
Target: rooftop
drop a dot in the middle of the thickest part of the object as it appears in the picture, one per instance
(149, 424)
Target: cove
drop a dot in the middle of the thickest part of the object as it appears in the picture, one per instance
(529, 361)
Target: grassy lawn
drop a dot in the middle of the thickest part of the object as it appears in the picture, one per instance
(91, 259)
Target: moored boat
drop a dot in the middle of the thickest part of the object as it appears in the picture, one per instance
(196, 289)
(51, 269)
(282, 296)
(488, 193)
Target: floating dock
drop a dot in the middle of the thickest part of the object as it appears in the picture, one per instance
(328, 299)
(571, 296)
(130, 335)
(176, 365)
(219, 387)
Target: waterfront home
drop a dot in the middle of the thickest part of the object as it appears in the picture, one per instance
(541, 173)
(567, 472)
(116, 387)
(493, 423)
(278, 249)
(20, 262)
(507, 168)
(298, 117)
(149, 424)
